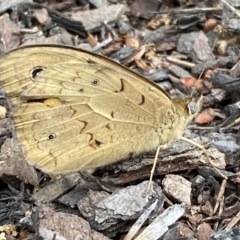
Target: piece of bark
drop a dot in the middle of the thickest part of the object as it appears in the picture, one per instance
(195, 45)
(179, 156)
(161, 224)
(178, 71)
(189, 21)
(55, 225)
(94, 18)
(39, 38)
(80, 191)
(5, 5)
(109, 213)
(13, 162)
(164, 38)
(230, 16)
(70, 24)
(207, 209)
(179, 231)
(58, 187)
(194, 218)
(141, 220)
(61, 20)
(99, 3)
(41, 14)
(235, 70)
(178, 188)
(224, 142)
(233, 233)
(145, 8)
(87, 203)
(8, 32)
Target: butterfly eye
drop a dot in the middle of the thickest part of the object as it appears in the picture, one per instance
(95, 82)
(51, 136)
(35, 72)
(192, 107)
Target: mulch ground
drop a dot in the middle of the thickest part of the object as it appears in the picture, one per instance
(184, 47)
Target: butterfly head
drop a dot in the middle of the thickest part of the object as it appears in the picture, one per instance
(188, 107)
(184, 110)
(194, 105)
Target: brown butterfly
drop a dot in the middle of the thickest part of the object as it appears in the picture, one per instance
(74, 110)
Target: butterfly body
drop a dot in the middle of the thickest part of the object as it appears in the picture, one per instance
(74, 110)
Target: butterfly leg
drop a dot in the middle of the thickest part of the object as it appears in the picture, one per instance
(206, 154)
(153, 169)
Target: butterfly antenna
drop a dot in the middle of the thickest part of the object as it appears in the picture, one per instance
(206, 154)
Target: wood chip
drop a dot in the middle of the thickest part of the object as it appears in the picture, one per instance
(95, 18)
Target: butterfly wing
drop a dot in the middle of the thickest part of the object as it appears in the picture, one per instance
(87, 113)
(18, 67)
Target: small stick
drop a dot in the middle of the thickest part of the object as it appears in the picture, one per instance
(193, 10)
(230, 125)
(199, 128)
(232, 8)
(215, 227)
(233, 222)
(220, 195)
(180, 62)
